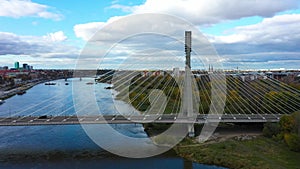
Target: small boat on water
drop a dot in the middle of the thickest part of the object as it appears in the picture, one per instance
(2, 101)
(21, 92)
(50, 83)
(89, 83)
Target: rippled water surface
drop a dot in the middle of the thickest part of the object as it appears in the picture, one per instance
(68, 146)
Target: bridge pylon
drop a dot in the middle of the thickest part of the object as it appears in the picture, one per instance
(187, 101)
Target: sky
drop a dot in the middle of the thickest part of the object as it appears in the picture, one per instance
(248, 34)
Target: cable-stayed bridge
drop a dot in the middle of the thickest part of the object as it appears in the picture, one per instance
(269, 110)
(260, 100)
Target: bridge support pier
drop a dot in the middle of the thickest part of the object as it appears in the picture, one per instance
(187, 101)
(191, 130)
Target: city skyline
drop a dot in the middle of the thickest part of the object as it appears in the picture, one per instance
(53, 33)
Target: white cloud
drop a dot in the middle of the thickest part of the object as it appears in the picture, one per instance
(56, 36)
(195, 11)
(21, 8)
(144, 36)
(36, 46)
(272, 43)
(212, 11)
(114, 1)
(275, 30)
(122, 7)
(87, 30)
(273, 39)
(275, 36)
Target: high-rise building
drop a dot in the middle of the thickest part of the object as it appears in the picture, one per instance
(25, 66)
(176, 72)
(188, 47)
(17, 65)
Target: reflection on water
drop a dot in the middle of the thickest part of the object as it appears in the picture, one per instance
(68, 146)
(111, 163)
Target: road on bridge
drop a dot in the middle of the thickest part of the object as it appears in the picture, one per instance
(118, 119)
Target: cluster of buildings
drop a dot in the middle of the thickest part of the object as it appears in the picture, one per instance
(152, 73)
(17, 65)
(25, 66)
(175, 73)
(16, 75)
(20, 75)
(291, 76)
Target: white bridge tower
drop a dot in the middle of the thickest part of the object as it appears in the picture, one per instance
(187, 101)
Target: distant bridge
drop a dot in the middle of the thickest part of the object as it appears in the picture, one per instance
(141, 119)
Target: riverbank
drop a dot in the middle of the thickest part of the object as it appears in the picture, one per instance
(249, 152)
(95, 159)
(7, 94)
(10, 93)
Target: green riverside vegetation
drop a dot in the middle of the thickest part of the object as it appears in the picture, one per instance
(257, 96)
(259, 153)
(278, 148)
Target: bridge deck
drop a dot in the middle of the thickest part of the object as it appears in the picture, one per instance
(114, 119)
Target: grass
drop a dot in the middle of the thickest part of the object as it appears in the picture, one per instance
(260, 153)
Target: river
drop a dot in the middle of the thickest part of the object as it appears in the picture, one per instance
(68, 146)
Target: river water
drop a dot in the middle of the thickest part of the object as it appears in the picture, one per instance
(68, 146)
